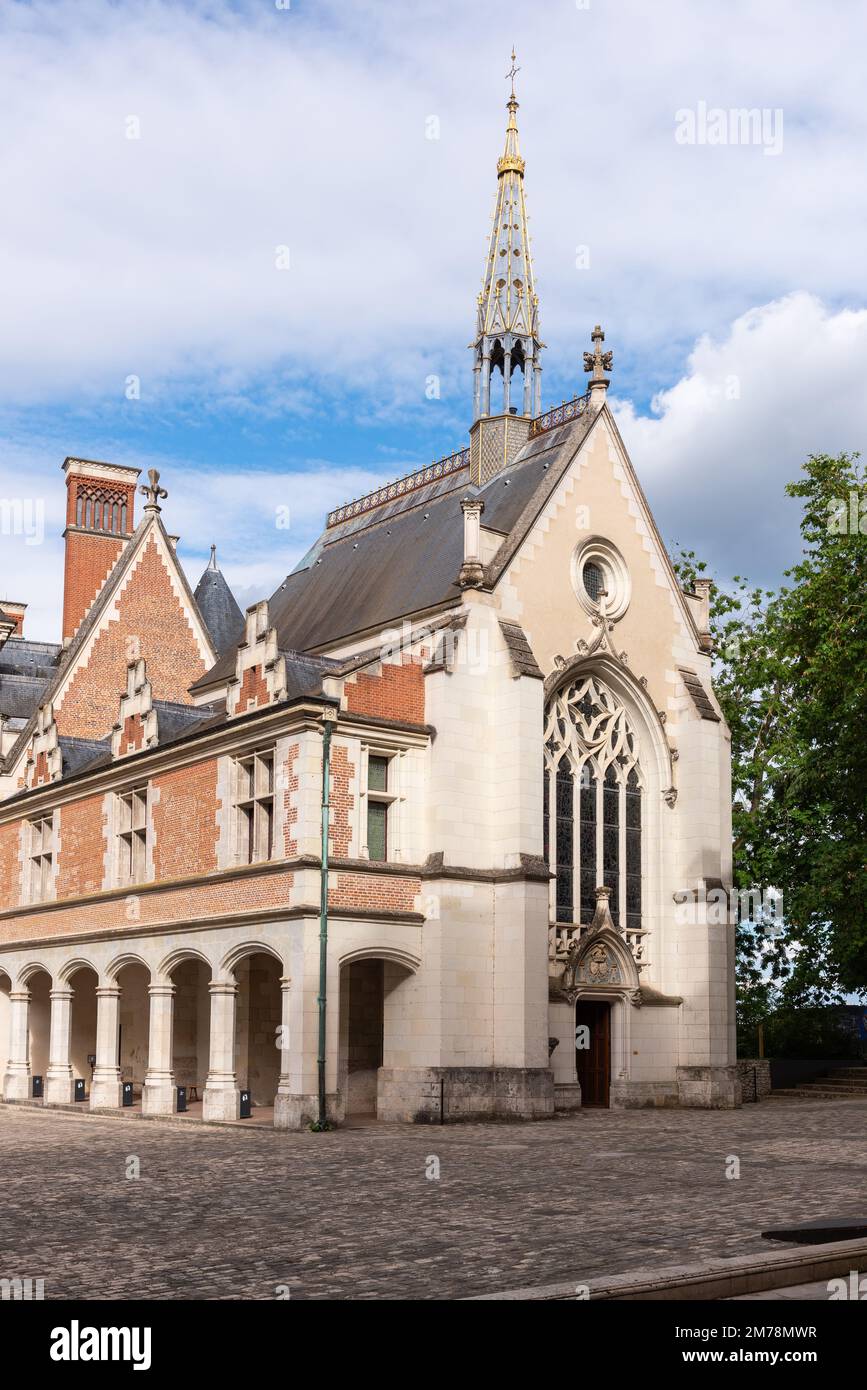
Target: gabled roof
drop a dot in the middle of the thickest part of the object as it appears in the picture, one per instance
(67, 658)
(407, 562)
(26, 668)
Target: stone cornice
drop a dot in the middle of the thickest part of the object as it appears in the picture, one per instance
(228, 919)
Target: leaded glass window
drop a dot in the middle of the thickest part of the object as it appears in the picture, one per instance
(592, 813)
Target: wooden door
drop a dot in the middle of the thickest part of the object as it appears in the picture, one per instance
(593, 1063)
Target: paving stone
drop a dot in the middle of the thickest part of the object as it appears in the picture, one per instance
(222, 1213)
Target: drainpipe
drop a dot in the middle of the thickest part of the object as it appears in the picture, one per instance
(329, 717)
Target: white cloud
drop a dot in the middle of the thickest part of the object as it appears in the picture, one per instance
(306, 127)
(786, 380)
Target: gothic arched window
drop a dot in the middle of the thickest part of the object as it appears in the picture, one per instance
(592, 813)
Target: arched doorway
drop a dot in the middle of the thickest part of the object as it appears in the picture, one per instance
(192, 1029)
(257, 1027)
(82, 1032)
(39, 1024)
(593, 1051)
(373, 1025)
(132, 1032)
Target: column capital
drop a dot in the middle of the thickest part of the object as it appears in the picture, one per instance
(285, 983)
(108, 991)
(161, 989)
(64, 992)
(19, 996)
(223, 986)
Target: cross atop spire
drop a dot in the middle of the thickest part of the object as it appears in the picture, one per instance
(507, 322)
(598, 363)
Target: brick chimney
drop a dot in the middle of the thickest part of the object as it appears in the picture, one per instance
(15, 613)
(100, 500)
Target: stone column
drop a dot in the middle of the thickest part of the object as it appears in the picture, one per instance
(159, 1096)
(537, 387)
(507, 381)
(283, 1108)
(477, 389)
(222, 1098)
(486, 384)
(528, 384)
(59, 1089)
(105, 1088)
(16, 1082)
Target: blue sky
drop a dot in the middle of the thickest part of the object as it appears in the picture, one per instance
(729, 278)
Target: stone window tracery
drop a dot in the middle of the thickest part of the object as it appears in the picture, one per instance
(593, 804)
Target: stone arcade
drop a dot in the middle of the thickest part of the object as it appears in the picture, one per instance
(528, 767)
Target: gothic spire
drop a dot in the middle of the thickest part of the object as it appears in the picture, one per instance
(507, 326)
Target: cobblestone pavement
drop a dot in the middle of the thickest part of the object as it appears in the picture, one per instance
(228, 1213)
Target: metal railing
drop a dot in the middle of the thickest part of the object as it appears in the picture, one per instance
(441, 468)
(560, 415)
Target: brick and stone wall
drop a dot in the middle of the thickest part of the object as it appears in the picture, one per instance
(392, 692)
(184, 807)
(81, 857)
(88, 707)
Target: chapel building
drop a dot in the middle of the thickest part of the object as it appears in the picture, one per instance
(426, 834)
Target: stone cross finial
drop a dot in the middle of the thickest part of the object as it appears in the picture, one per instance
(597, 361)
(154, 492)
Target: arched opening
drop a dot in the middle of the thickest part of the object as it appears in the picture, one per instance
(258, 1019)
(82, 1027)
(5, 1021)
(192, 1029)
(374, 1025)
(39, 1024)
(132, 1029)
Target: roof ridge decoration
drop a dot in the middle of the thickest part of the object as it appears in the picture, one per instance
(260, 666)
(440, 468)
(137, 725)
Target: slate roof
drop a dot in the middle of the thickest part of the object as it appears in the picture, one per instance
(523, 661)
(698, 694)
(219, 609)
(26, 668)
(405, 559)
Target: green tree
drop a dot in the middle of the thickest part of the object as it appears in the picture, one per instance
(791, 676)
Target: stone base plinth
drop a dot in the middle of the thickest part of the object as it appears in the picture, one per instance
(106, 1093)
(302, 1111)
(417, 1094)
(643, 1095)
(567, 1095)
(17, 1084)
(708, 1088)
(159, 1098)
(221, 1104)
(59, 1090)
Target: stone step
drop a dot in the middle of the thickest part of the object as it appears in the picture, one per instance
(830, 1083)
(801, 1093)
